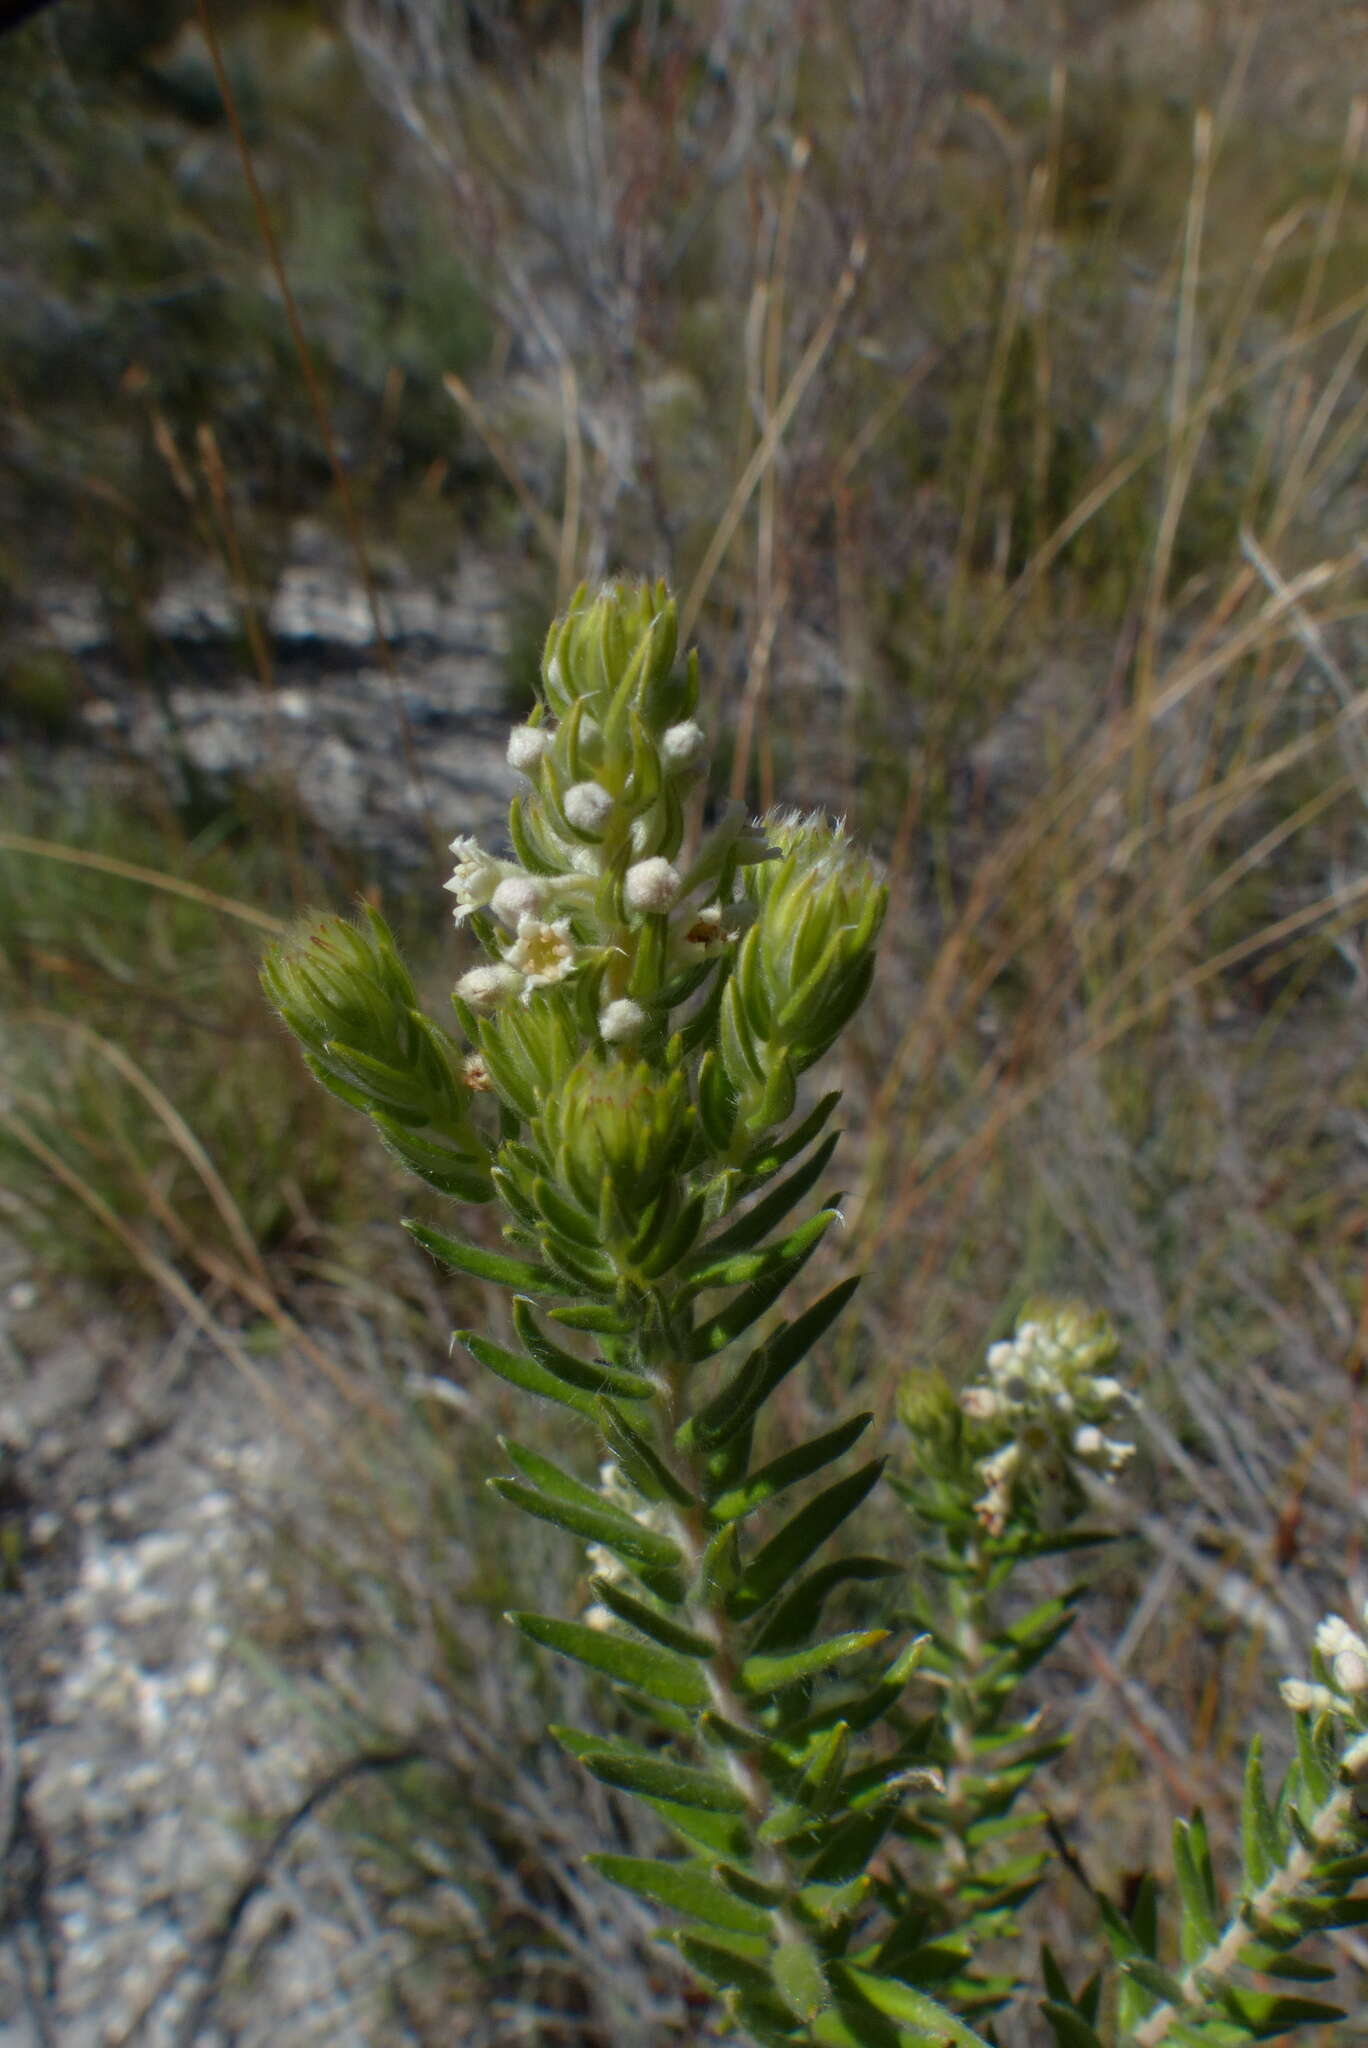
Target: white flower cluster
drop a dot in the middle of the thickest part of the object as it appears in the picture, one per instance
(1041, 1398)
(547, 916)
(1343, 1656)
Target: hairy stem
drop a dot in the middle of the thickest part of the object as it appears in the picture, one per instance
(1255, 1914)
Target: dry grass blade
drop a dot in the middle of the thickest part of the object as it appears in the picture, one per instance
(160, 1270)
(152, 878)
(768, 446)
(180, 1132)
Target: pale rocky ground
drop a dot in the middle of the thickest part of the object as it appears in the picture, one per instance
(138, 1745)
(143, 1742)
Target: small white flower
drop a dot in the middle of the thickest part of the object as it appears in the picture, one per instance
(543, 953)
(599, 1618)
(1333, 1635)
(1119, 1454)
(588, 806)
(516, 897)
(476, 877)
(1308, 1699)
(475, 1073)
(980, 1404)
(1090, 1444)
(484, 988)
(621, 1021)
(526, 745)
(1349, 1668)
(651, 885)
(683, 745)
(1108, 1391)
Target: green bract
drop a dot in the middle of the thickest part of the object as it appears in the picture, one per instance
(625, 1090)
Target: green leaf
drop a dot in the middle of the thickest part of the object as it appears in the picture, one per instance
(1258, 1829)
(765, 1369)
(521, 1372)
(657, 1673)
(799, 1979)
(565, 1216)
(769, 1156)
(796, 1616)
(787, 1552)
(590, 1376)
(1267, 2013)
(761, 1675)
(825, 1768)
(550, 1479)
(788, 1470)
(683, 1888)
(596, 1317)
(720, 1965)
(758, 1221)
(640, 1460)
(659, 1778)
(670, 1634)
(928, 2019)
(1068, 2026)
(1162, 1983)
(618, 1533)
(496, 1267)
(1200, 1928)
(791, 1255)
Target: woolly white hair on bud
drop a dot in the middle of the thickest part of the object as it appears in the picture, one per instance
(526, 745)
(517, 897)
(651, 885)
(683, 745)
(621, 1021)
(484, 988)
(588, 806)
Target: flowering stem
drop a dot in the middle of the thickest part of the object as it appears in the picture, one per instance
(1255, 1915)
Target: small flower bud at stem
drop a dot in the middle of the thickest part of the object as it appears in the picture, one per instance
(1350, 1668)
(518, 897)
(484, 988)
(980, 1404)
(683, 745)
(621, 1022)
(651, 885)
(475, 1073)
(526, 745)
(588, 806)
(1307, 1699)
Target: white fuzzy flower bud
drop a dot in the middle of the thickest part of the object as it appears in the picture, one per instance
(1333, 1635)
(1090, 1444)
(526, 745)
(1350, 1668)
(683, 745)
(516, 897)
(651, 885)
(622, 1021)
(484, 988)
(1107, 1391)
(1307, 1699)
(475, 1073)
(588, 806)
(1345, 1653)
(980, 1404)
